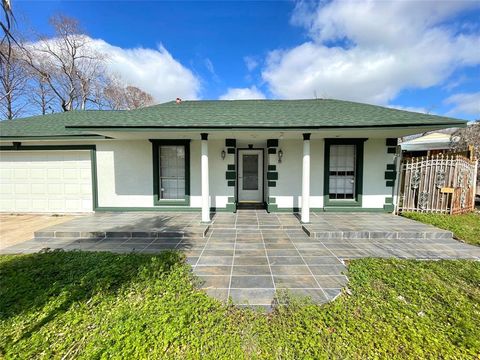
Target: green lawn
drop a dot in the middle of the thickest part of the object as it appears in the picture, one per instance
(465, 227)
(101, 305)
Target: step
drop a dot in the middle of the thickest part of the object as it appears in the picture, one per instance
(316, 233)
(197, 230)
(255, 227)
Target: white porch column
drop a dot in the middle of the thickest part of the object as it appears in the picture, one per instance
(306, 179)
(205, 183)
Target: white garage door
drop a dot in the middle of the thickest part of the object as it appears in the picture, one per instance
(45, 181)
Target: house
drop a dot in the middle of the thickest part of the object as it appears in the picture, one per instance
(429, 144)
(285, 155)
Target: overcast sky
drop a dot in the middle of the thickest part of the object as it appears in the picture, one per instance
(415, 55)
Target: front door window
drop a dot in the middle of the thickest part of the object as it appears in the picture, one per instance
(250, 172)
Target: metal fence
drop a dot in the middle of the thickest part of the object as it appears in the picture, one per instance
(440, 184)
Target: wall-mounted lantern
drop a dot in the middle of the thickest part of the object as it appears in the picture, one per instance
(280, 156)
(223, 154)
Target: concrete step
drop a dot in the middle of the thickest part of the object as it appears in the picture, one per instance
(255, 227)
(320, 234)
(193, 231)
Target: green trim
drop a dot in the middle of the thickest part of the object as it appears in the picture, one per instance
(359, 143)
(275, 208)
(231, 151)
(157, 208)
(157, 201)
(231, 207)
(46, 147)
(272, 183)
(272, 175)
(350, 209)
(388, 207)
(161, 209)
(272, 200)
(272, 143)
(390, 183)
(391, 167)
(231, 183)
(390, 175)
(231, 199)
(231, 167)
(93, 165)
(272, 150)
(391, 150)
(53, 137)
(391, 142)
(230, 143)
(272, 167)
(388, 200)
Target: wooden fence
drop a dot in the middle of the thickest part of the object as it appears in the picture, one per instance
(439, 184)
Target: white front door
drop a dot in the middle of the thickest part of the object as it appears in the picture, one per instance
(250, 176)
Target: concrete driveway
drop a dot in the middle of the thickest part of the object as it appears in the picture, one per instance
(15, 229)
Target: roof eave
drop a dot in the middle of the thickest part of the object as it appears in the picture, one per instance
(53, 137)
(268, 128)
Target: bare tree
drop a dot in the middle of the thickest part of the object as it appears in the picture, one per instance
(13, 82)
(6, 22)
(120, 97)
(137, 98)
(40, 94)
(468, 136)
(67, 63)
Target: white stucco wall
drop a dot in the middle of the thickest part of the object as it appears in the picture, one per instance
(219, 191)
(375, 161)
(288, 191)
(125, 174)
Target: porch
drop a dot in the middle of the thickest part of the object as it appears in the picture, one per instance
(251, 255)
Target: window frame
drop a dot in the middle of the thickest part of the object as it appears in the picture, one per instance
(157, 200)
(357, 201)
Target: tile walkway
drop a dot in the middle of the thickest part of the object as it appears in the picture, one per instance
(251, 255)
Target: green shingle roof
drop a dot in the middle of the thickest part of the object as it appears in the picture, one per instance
(324, 113)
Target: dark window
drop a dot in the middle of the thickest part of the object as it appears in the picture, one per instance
(250, 172)
(171, 175)
(172, 172)
(342, 164)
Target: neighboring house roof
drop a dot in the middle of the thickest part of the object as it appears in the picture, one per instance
(226, 114)
(432, 141)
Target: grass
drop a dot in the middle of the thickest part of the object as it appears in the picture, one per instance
(101, 305)
(465, 227)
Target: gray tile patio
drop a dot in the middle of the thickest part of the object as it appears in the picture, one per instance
(251, 255)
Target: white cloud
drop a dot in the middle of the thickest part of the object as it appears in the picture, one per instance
(251, 62)
(410, 108)
(153, 70)
(211, 69)
(386, 47)
(465, 103)
(242, 94)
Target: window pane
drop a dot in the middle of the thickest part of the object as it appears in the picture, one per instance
(172, 172)
(342, 172)
(250, 172)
